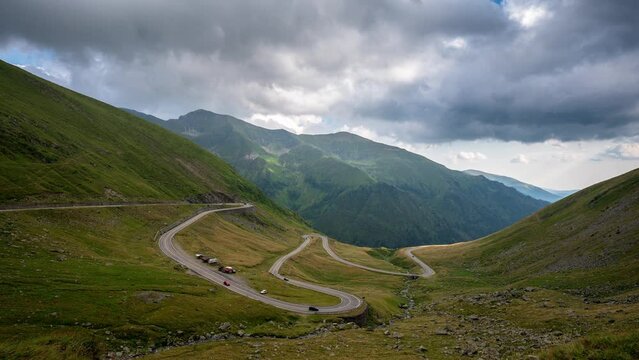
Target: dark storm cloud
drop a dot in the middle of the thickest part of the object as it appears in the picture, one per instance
(575, 76)
(230, 28)
(482, 70)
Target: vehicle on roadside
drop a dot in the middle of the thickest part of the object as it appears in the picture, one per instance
(227, 269)
(263, 292)
(285, 279)
(226, 283)
(313, 308)
(206, 259)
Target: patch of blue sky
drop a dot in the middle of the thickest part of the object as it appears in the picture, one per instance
(19, 54)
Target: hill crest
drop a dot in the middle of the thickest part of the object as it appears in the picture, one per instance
(358, 190)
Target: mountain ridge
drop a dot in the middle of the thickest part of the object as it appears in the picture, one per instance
(533, 191)
(343, 182)
(594, 229)
(59, 146)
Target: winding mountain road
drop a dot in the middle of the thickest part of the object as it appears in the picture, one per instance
(426, 270)
(348, 302)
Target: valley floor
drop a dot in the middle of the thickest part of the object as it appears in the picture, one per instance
(461, 315)
(88, 283)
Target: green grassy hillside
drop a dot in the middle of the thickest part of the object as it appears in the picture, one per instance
(357, 190)
(85, 282)
(584, 241)
(59, 146)
(560, 284)
(92, 282)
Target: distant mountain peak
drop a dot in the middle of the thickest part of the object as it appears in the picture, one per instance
(358, 190)
(524, 188)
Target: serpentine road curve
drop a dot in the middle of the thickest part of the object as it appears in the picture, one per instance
(348, 302)
(426, 270)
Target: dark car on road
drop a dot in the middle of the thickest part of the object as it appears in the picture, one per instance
(313, 308)
(226, 283)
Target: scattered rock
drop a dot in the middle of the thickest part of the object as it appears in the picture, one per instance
(180, 267)
(469, 349)
(225, 326)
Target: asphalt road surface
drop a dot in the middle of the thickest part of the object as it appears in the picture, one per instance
(348, 302)
(426, 270)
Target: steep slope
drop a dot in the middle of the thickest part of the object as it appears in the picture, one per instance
(560, 284)
(526, 189)
(357, 190)
(91, 283)
(60, 146)
(586, 240)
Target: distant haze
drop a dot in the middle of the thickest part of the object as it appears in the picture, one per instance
(531, 190)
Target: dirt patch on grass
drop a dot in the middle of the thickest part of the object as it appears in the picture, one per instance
(152, 297)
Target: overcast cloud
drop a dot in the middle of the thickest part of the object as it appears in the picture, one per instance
(419, 72)
(433, 70)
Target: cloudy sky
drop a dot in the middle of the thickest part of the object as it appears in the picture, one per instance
(545, 91)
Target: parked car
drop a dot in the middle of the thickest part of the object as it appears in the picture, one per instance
(227, 269)
(313, 308)
(206, 259)
(263, 292)
(226, 283)
(285, 279)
